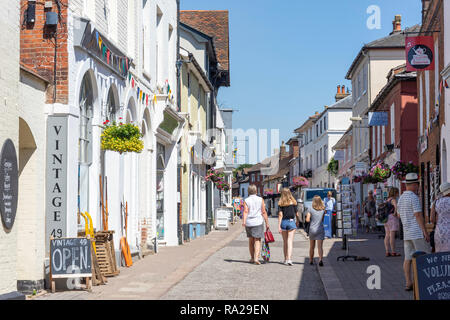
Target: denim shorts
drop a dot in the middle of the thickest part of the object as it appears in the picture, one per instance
(288, 224)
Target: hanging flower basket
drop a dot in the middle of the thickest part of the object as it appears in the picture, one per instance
(379, 173)
(300, 182)
(401, 169)
(122, 137)
(214, 176)
(218, 178)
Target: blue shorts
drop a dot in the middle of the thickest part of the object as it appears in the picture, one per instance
(288, 224)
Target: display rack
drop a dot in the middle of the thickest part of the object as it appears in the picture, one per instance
(344, 218)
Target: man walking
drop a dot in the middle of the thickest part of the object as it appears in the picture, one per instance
(416, 237)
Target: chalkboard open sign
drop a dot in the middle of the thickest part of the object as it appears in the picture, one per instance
(432, 276)
(70, 258)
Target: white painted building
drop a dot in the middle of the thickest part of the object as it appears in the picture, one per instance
(445, 129)
(22, 93)
(129, 84)
(9, 129)
(329, 128)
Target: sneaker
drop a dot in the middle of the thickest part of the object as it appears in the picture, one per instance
(286, 262)
(289, 263)
(321, 263)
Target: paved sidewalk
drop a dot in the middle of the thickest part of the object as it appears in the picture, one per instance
(348, 280)
(153, 276)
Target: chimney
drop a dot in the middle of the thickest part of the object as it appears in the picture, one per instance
(397, 24)
(341, 94)
(283, 152)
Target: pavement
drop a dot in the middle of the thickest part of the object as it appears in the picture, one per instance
(216, 267)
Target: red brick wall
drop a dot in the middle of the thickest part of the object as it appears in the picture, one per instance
(37, 49)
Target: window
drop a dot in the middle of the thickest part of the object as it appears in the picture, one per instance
(111, 106)
(325, 123)
(321, 126)
(392, 123)
(317, 158)
(325, 154)
(320, 156)
(317, 130)
(365, 78)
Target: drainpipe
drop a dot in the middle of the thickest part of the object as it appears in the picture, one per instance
(180, 169)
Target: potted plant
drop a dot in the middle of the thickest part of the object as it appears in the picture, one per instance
(122, 137)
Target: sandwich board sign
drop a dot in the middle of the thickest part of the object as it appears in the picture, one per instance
(70, 258)
(432, 276)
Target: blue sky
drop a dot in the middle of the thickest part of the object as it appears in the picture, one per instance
(288, 56)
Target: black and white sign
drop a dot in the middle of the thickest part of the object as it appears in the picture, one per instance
(56, 183)
(433, 276)
(70, 258)
(9, 184)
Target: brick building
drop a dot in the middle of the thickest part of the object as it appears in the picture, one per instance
(397, 140)
(431, 111)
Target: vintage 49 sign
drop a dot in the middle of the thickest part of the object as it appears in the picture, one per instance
(9, 184)
(419, 53)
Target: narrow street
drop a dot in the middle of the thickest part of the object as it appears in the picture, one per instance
(216, 267)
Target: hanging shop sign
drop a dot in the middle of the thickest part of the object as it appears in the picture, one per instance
(378, 119)
(339, 155)
(419, 53)
(56, 183)
(9, 184)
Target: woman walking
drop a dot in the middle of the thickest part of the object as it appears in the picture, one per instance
(288, 221)
(254, 216)
(440, 215)
(315, 217)
(392, 225)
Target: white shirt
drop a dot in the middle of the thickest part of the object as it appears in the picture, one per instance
(329, 203)
(407, 206)
(254, 217)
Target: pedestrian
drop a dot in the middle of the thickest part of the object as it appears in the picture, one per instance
(254, 217)
(370, 210)
(440, 216)
(288, 222)
(330, 204)
(315, 217)
(392, 225)
(416, 236)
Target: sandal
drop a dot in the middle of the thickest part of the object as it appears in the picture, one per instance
(388, 254)
(395, 254)
(409, 288)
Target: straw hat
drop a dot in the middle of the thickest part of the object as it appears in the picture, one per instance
(411, 178)
(445, 189)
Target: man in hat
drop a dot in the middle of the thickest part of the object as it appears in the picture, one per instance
(416, 237)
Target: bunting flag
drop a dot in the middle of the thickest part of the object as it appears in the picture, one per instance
(146, 100)
(100, 42)
(154, 99)
(108, 53)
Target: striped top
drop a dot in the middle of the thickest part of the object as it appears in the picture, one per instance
(408, 204)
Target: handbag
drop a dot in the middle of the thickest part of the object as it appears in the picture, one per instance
(307, 224)
(265, 252)
(268, 236)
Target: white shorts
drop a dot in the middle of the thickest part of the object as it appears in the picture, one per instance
(412, 246)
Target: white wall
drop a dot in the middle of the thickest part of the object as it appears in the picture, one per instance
(9, 122)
